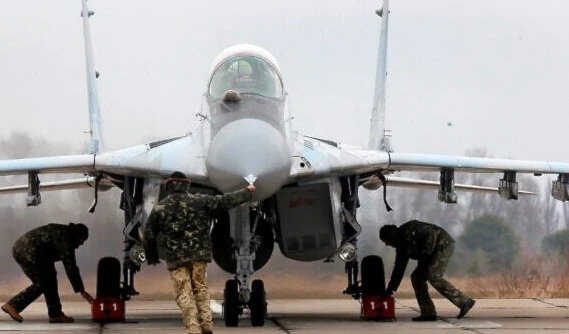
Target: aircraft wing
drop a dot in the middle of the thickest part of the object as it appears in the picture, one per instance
(320, 158)
(426, 163)
(83, 163)
(157, 159)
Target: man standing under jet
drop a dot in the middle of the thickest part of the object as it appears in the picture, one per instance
(36, 252)
(185, 220)
(432, 247)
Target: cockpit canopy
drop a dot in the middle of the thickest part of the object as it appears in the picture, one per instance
(246, 74)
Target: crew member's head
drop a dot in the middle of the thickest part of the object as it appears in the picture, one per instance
(177, 182)
(388, 234)
(79, 233)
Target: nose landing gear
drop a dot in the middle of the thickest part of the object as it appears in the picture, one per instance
(234, 305)
(258, 303)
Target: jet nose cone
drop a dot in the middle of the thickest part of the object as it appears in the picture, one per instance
(248, 147)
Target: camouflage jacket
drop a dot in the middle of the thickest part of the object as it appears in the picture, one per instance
(185, 221)
(49, 243)
(415, 240)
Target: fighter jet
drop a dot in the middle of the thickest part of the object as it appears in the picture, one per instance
(307, 188)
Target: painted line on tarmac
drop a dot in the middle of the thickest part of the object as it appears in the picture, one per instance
(279, 325)
(549, 303)
(215, 307)
(471, 323)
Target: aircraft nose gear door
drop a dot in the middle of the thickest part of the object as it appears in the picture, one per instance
(237, 295)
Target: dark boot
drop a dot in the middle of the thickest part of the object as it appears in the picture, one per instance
(465, 308)
(425, 318)
(62, 319)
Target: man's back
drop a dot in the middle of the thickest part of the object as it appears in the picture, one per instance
(418, 239)
(45, 241)
(185, 221)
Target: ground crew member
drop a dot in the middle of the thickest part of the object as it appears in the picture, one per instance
(185, 221)
(432, 247)
(36, 252)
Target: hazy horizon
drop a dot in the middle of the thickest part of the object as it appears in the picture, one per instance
(495, 71)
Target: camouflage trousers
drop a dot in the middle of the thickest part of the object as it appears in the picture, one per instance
(44, 281)
(432, 270)
(192, 296)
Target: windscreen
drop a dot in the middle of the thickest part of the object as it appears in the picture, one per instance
(246, 74)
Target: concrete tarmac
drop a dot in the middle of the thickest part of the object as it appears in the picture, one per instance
(489, 316)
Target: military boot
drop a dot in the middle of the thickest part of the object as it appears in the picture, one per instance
(62, 319)
(465, 308)
(11, 311)
(424, 317)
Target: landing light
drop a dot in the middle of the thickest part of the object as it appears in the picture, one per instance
(347, 252)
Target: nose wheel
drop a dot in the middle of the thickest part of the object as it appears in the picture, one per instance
(233, 306)
(258, 303)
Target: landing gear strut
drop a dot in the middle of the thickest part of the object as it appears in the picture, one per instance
(132, 194)
(373, 278)
(237, 295)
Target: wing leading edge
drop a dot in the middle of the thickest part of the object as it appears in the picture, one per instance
(319, 159)
(155, 160)
(82, 163)
(426, 162)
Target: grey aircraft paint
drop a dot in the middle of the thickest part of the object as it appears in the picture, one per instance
(246, 104)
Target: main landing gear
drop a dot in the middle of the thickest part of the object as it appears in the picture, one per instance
(108, 306)
(373, 277)
(370, 291)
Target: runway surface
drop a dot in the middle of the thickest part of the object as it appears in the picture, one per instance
(488, 316)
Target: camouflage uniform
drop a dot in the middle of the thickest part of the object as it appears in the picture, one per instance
(36, 252)
(432, 247)
(185, 221)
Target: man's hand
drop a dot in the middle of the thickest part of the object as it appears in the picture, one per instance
(251, 188)
(388, 291)
(87, 297)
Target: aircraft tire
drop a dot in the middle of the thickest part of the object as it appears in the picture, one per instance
(231, 303)
(108, 277)
(258, 303)
(373, 276)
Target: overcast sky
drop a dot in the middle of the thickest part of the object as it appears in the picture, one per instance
(496, 70)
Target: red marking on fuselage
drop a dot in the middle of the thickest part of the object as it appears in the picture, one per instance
(295, 203)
